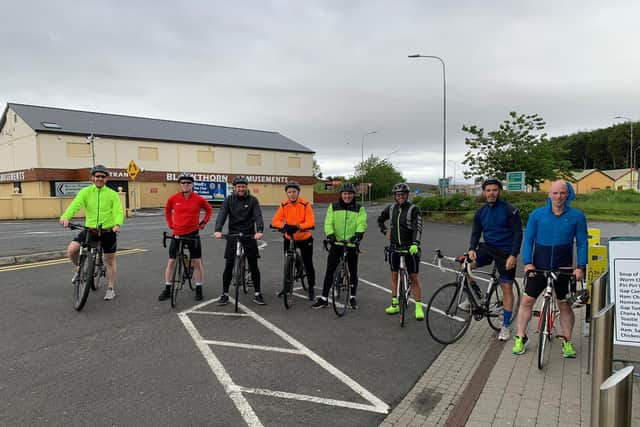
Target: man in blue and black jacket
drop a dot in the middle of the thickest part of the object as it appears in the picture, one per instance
(499, 223)
(548, 245)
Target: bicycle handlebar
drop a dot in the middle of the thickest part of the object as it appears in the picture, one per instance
(166, 237)
(463, 260)
(283, 229)
(98, 230)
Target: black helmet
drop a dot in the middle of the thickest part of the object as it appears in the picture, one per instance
(240, 180)
(292, 184)
(492, 181)
(347, 187)
(401, 187)
(185, 176)
(99, 168)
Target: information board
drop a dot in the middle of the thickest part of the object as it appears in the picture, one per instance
(69, 188)
(624, 288)
(211, 190)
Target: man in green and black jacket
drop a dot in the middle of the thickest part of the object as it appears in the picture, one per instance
(345, 220)
(103, 208)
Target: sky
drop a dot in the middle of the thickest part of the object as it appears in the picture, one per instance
(328, 73)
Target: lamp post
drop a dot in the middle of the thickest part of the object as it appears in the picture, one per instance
(362, 163)
(631, 152)
(444, 116)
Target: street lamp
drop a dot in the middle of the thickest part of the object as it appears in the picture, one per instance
(631, 152)
(362, 163)
(444, 116)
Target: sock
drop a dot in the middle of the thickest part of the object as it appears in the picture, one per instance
(506, 318)
(323, 298)
(198, 285)
(394, 300)
(257, 293)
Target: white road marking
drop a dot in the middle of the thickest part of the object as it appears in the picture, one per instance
(253, 346)
(219, 313)
(315, 399)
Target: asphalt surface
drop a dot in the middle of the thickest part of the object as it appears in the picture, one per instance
(135, 361)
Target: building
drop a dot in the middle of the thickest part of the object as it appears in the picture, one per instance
(48, 152)
(586, 181)
(624, 179)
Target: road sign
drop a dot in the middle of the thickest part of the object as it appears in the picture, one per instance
(133, 170)
(69, 188)
(443, 182)
(516, 181)
(418, 191)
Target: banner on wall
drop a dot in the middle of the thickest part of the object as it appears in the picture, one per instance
(213, 191)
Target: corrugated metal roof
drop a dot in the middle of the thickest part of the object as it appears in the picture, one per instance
(119, 126)
(616, 174)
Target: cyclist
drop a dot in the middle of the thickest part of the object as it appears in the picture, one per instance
(295, 215)
(548, 244)
(499, 223)
(405, 223)
(182, 213)
(245, 216)
(102, 208)
(345, 220)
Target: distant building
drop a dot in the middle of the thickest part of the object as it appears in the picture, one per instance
(586, 181)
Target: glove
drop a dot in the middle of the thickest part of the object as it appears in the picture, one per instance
(331, 239)
(291, 229)
(357, 237)
(413, 249)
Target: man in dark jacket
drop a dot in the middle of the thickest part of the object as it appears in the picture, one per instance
(245, 216)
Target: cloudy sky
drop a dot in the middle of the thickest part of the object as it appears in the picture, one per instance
(325, 73)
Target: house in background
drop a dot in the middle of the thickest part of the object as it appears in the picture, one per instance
(586, 181)
(624, 178)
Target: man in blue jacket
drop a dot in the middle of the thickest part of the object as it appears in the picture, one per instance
(548, 245)
(499, 223)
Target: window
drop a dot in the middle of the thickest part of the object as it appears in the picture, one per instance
(147, 153)
(78, 149)
(15, 118)
(254, 160)
(294, 162)
(206, 156)
(51, 125)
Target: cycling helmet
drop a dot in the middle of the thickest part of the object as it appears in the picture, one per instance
(347, 187)
(240, 180)
(99, 168)
(292, 184)
(185, 176)
(401, 187)
(492, 181)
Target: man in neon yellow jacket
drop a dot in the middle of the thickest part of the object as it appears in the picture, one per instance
(102, 208)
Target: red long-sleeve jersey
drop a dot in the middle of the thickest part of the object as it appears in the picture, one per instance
(183, 215)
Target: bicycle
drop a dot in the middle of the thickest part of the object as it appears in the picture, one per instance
(403, 285)
(294, 270)
(183, 269)
(341, 282)
(91, 263)
(548, 314)
(452, 305)
(239, 265)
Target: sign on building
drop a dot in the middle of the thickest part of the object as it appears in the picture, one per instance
(211, 190)
(624, 288)
(516, 181)
(66, 189)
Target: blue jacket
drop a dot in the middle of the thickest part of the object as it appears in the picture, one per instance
(548, 239)
(500, 226)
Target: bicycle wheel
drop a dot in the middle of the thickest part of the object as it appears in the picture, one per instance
(288, 281)
(495, 313)
(85, 281)
(301, 272)
(188, 272)
(446, 321)
(177, 280)
(243, 275)
(99, 271)
(247, 275)
(340, 289)
(238, 279)
(544, 335)
(403, 294)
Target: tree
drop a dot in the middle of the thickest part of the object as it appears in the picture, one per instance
(517, 145)
(316, 169)
(379, 172)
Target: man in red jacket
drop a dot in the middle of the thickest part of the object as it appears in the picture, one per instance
(182, 212)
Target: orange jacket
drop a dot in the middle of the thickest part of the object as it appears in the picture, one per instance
(295, 213)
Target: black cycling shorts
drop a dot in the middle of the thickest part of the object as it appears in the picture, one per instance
(108, 240)
(534, 286)
(412, 261)
(195, 247)
(486, 254)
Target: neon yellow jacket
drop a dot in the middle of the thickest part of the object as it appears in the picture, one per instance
(102, 206)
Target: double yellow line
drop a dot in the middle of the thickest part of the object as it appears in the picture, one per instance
(59, 261)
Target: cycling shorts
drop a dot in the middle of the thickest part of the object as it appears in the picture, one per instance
(412, 261)
(195, 247)
(108, 240)
(486, 254)
(534, 286)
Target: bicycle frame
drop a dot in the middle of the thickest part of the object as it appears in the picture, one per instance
(183, 268)
(92, 250)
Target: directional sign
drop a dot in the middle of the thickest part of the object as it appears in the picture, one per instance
(516, 181)
(64, 188)
(443, 182)
(418, 191)
(133, 170)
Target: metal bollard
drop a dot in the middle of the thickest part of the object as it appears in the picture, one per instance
(598, 300)
(616, 399)
(602, 331)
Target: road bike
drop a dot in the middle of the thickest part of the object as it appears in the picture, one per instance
(452, 306)
(403, 285)
(183, 269)
(341, 282)
(91, 263)
(294, 270)
(548, 314)
(239, 273)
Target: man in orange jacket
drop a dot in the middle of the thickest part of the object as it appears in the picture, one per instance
(295, 217)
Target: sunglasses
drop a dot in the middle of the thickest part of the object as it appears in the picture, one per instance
(100, 176)
(186, 182)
